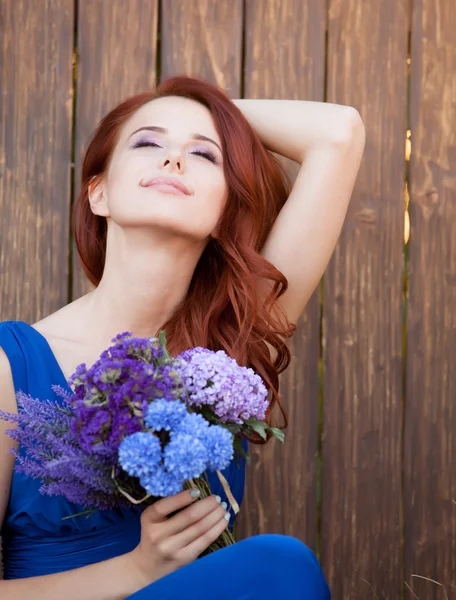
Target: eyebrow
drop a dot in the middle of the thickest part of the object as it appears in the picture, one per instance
(194, 136)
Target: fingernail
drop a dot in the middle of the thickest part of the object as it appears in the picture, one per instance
(195, 493)
(218, 499)
(227, 516)
(224, 505)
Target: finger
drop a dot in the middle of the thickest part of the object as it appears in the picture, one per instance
(200, 544)
(160, 510)
(191, 515)
(198, 529)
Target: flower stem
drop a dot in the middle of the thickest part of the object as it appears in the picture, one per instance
(226, 538)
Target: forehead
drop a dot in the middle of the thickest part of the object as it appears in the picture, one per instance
(181, 116)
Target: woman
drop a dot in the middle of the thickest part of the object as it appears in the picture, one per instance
(183, 222)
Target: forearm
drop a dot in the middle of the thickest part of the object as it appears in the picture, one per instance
(293, 127)
(112, 579)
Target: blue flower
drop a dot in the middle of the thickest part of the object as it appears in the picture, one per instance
(140, 454)
(161, 483)
(165, 414)
(217, 440)
(219, 443)
(193, 424)
(185, 457)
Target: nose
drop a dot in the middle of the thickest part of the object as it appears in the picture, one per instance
(173, 160)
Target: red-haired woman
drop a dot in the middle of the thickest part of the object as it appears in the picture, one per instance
(184, 222)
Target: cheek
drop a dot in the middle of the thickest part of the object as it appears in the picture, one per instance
(122, 182)
(216, 195)
(126, 173)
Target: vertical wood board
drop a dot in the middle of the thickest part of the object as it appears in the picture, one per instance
(203, 38)
(362, 311)
(430, 447)
(36, 45)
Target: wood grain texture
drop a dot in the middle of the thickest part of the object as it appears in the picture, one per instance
(117, 55)
(203, 38)
(430, 446)
(362, 314)
(36, 44)
(285, 49)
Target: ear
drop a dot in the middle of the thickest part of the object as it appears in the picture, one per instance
(97, 197)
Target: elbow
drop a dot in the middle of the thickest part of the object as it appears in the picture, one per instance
(351, 131)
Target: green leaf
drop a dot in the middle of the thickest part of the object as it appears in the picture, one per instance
(162, 342)
(209, 415)
(259, 427)
(232, 427)
(278, 433)
(240, 450)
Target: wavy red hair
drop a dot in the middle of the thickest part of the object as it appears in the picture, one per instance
(222, 309)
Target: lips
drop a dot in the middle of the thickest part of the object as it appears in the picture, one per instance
(166, 184)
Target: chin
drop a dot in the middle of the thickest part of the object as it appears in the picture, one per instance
(171, 227)
(169, 217)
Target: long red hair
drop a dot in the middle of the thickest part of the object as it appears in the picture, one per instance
(222, 309)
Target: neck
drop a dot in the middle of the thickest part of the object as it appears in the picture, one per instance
(145, 280)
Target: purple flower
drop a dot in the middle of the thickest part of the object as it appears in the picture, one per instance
(112, 396)
(49, 451)
(235, 394)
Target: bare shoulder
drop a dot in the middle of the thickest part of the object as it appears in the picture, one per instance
(7, 393)
(55, 326)
(7, 403)
(60, 324)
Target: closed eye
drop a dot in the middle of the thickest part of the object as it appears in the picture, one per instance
(144, 143)
(204, 154)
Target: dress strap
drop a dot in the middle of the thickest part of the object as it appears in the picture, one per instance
(10, 343)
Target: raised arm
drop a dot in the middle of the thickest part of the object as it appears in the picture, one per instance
(327, 140)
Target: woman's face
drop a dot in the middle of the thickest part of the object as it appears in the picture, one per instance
(166, 171)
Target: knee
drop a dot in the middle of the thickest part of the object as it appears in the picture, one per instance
(280, 549)
(288, 565)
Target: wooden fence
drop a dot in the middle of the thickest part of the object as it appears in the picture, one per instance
(367, 476)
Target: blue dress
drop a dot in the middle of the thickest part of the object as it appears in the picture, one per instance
(38, 541)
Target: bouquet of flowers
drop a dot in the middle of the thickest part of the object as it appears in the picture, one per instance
(140, 425)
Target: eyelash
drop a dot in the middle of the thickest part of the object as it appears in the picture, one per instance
(205, 154)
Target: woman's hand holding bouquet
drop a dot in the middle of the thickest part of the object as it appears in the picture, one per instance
(169, 542)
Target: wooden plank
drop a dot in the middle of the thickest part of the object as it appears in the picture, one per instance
(285, 50)
(117, 55)
(362, 311)
(430, 446)
(36, 44)
(203, 38)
